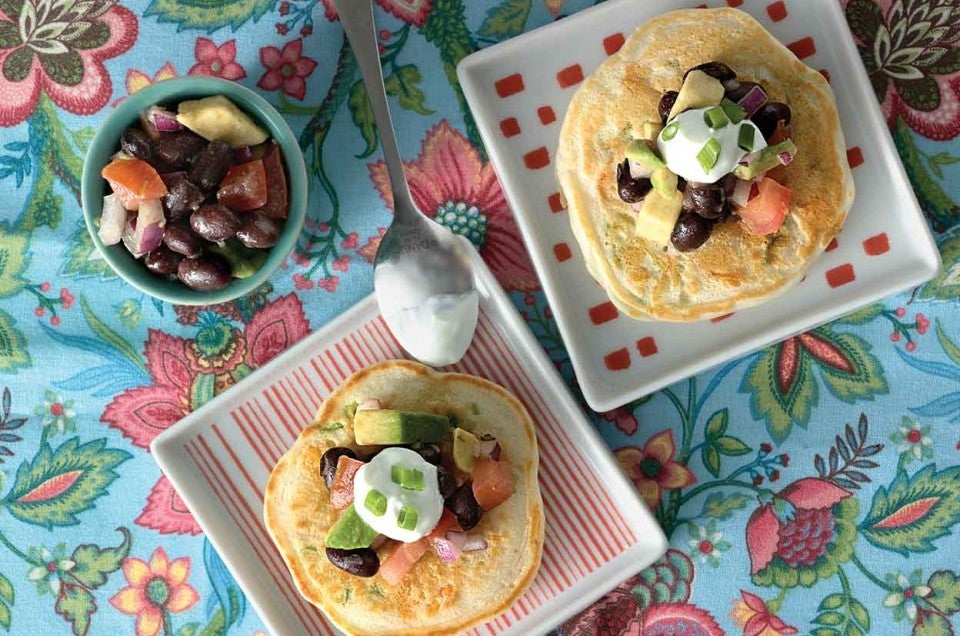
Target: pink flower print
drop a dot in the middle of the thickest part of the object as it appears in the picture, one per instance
(286, 69)
(216, 61)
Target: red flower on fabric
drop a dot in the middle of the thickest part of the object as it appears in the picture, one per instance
(451, 184)
(60, 53)
(623, 418)
(216, 61)
(412, 11)
(175, 364)
(752, 615)
(653, 468)
(286, 69)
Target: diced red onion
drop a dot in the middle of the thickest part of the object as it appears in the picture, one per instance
(638, 170)
(243, 154)
(147, 230)
(449, 549)
(488, 448)
(129, 231)
(113, 218)
(753, 101)
(741, 193)
(169, 178)
(163, 119)
(475, 543)
(370, 404)
(786, 157)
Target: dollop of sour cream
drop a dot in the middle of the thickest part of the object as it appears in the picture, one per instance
(377, 474)
(693, 132)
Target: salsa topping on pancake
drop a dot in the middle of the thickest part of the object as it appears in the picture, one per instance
(708, 160)
(417, 481)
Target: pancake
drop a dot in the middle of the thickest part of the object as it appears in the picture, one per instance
(734, 269)
(434, 597)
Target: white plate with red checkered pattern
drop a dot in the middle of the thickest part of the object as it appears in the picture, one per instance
(519, 91)
(597, 530)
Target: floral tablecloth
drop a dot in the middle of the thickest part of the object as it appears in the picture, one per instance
(810, 487)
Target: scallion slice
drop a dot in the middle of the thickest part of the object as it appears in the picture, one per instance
(745, 137)
(709, 155)
(408, 478)
(407, 518)
(715, 117)
(670, 131)
(734, 113)
(375, 502)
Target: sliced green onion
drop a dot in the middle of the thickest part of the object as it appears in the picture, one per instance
(709, 155)
(745, 137)
(670, 131)
(408, 478)
(734, 112)
(716, 118)
(407, 518)
(375, 502)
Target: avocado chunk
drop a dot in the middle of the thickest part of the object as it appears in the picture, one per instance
(464, 450)
(766, 159)
(658, 215)
(244, 262)
(664, 182)
(350, 532)
(216, 117)
(699, 90)
(649, 130)
(388, 426)
(640, 151)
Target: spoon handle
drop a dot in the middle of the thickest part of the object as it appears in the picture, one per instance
(356, 16)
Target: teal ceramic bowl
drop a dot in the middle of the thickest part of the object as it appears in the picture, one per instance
(107, 141)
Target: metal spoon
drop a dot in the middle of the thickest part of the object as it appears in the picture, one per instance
(422, 274)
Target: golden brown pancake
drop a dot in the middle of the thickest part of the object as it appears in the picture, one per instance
(733, 269)
(434, 597)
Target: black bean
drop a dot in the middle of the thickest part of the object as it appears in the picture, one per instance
(464, 505)
(681, 184)
(666, 105)
(163, 262)
(206, 273)
(690, 232)
(704, 199)
(729, 183)
(738, 93)
(767, 117)
(430, 453)
(630, 190)
(211, 165)
(182, 240)
(178, 149)
(215, 222)
(137, 144)
(446, 482)
(257, 230)
(719, 71)
(182, 198)
(328, 463)
(360, 562)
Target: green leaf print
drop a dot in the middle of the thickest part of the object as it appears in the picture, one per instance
(949, 346)
(505, 20)
(717, 424)
(58, 484)
(81, 258)
(95, 564)
(945, 286)
(209, 15)
(863, 315)
(864, 18)
(75, 604)
(6, 601)
(934, 201)
(5, 617)
(933, 625)
(13, 346)
(14, 257)
(945, 591)
(362, 115)
(721, 506)
(404, 85)
(913, 511)
(110, 336)
(863, 381)
(780, 403)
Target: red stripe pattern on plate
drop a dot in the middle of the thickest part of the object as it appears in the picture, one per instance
(583, 527)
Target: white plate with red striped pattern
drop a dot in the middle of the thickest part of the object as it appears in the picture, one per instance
(598, 531)
(519, 91)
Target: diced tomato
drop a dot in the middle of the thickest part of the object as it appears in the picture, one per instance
(396, 565)
(492, 483)
(341, 490)
(244, 187)
(137, 176)
(127, 198)
(277, 205)
(764, 213)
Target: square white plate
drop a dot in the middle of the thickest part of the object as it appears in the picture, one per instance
(598, 531)
(519, 91)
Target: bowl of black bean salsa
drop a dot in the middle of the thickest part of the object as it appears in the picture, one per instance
(213, 232)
